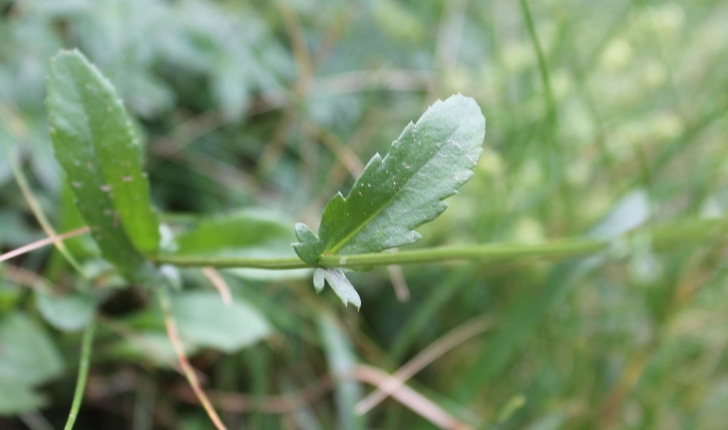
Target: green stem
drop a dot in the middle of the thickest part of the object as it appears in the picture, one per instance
(88, 337)
(694, 231)
(27, 191)
(490, 253)
(549, 100)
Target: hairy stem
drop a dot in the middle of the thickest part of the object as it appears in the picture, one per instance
(88, 337)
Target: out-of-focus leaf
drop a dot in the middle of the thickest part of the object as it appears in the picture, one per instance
(342, 361)
(28, 356)
(10, 295)
(153, 346)
(95, 144)
(397, 193)
(70, 312)
(523, 318)
(248, 233)
(628, 213)
(14, 230)
(339, 283)
(242, 233)
(18, 398)
(205, 320)
(230, 89)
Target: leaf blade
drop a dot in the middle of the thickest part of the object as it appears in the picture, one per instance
(94, 143)
(428, 163)
(69, 313)
(250, 232)
(205, 321)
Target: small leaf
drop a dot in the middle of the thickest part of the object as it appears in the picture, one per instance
(397, 193)
(71, 312)
(339, 283)
(95, 144)
(204, 320)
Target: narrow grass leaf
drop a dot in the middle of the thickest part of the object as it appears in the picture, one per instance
(341, 361)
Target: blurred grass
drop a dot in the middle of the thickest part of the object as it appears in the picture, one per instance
(587, 104)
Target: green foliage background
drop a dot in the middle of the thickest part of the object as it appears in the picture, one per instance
(256, 113)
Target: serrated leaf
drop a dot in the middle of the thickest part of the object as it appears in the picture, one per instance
(395, 194)
(94, 143)
(339, 283)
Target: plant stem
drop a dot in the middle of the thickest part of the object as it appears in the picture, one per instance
(497, 252)
(88, 337)
(697, 231)
(549, 100)
(27, 191)
(189, 372)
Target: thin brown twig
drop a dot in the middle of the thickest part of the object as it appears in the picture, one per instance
(26, 278)
(340, 24)
(346, 83)
(43, 242)
(280, 404)
(301, 54)
(186, 133)
(337, 172)
(187, 368)
(447, 342)
(410, 398)
(343, 153)
(288, 403)
(149, 347)
(37, 210)
(399, 283)
(219, 283)
(304, 65)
